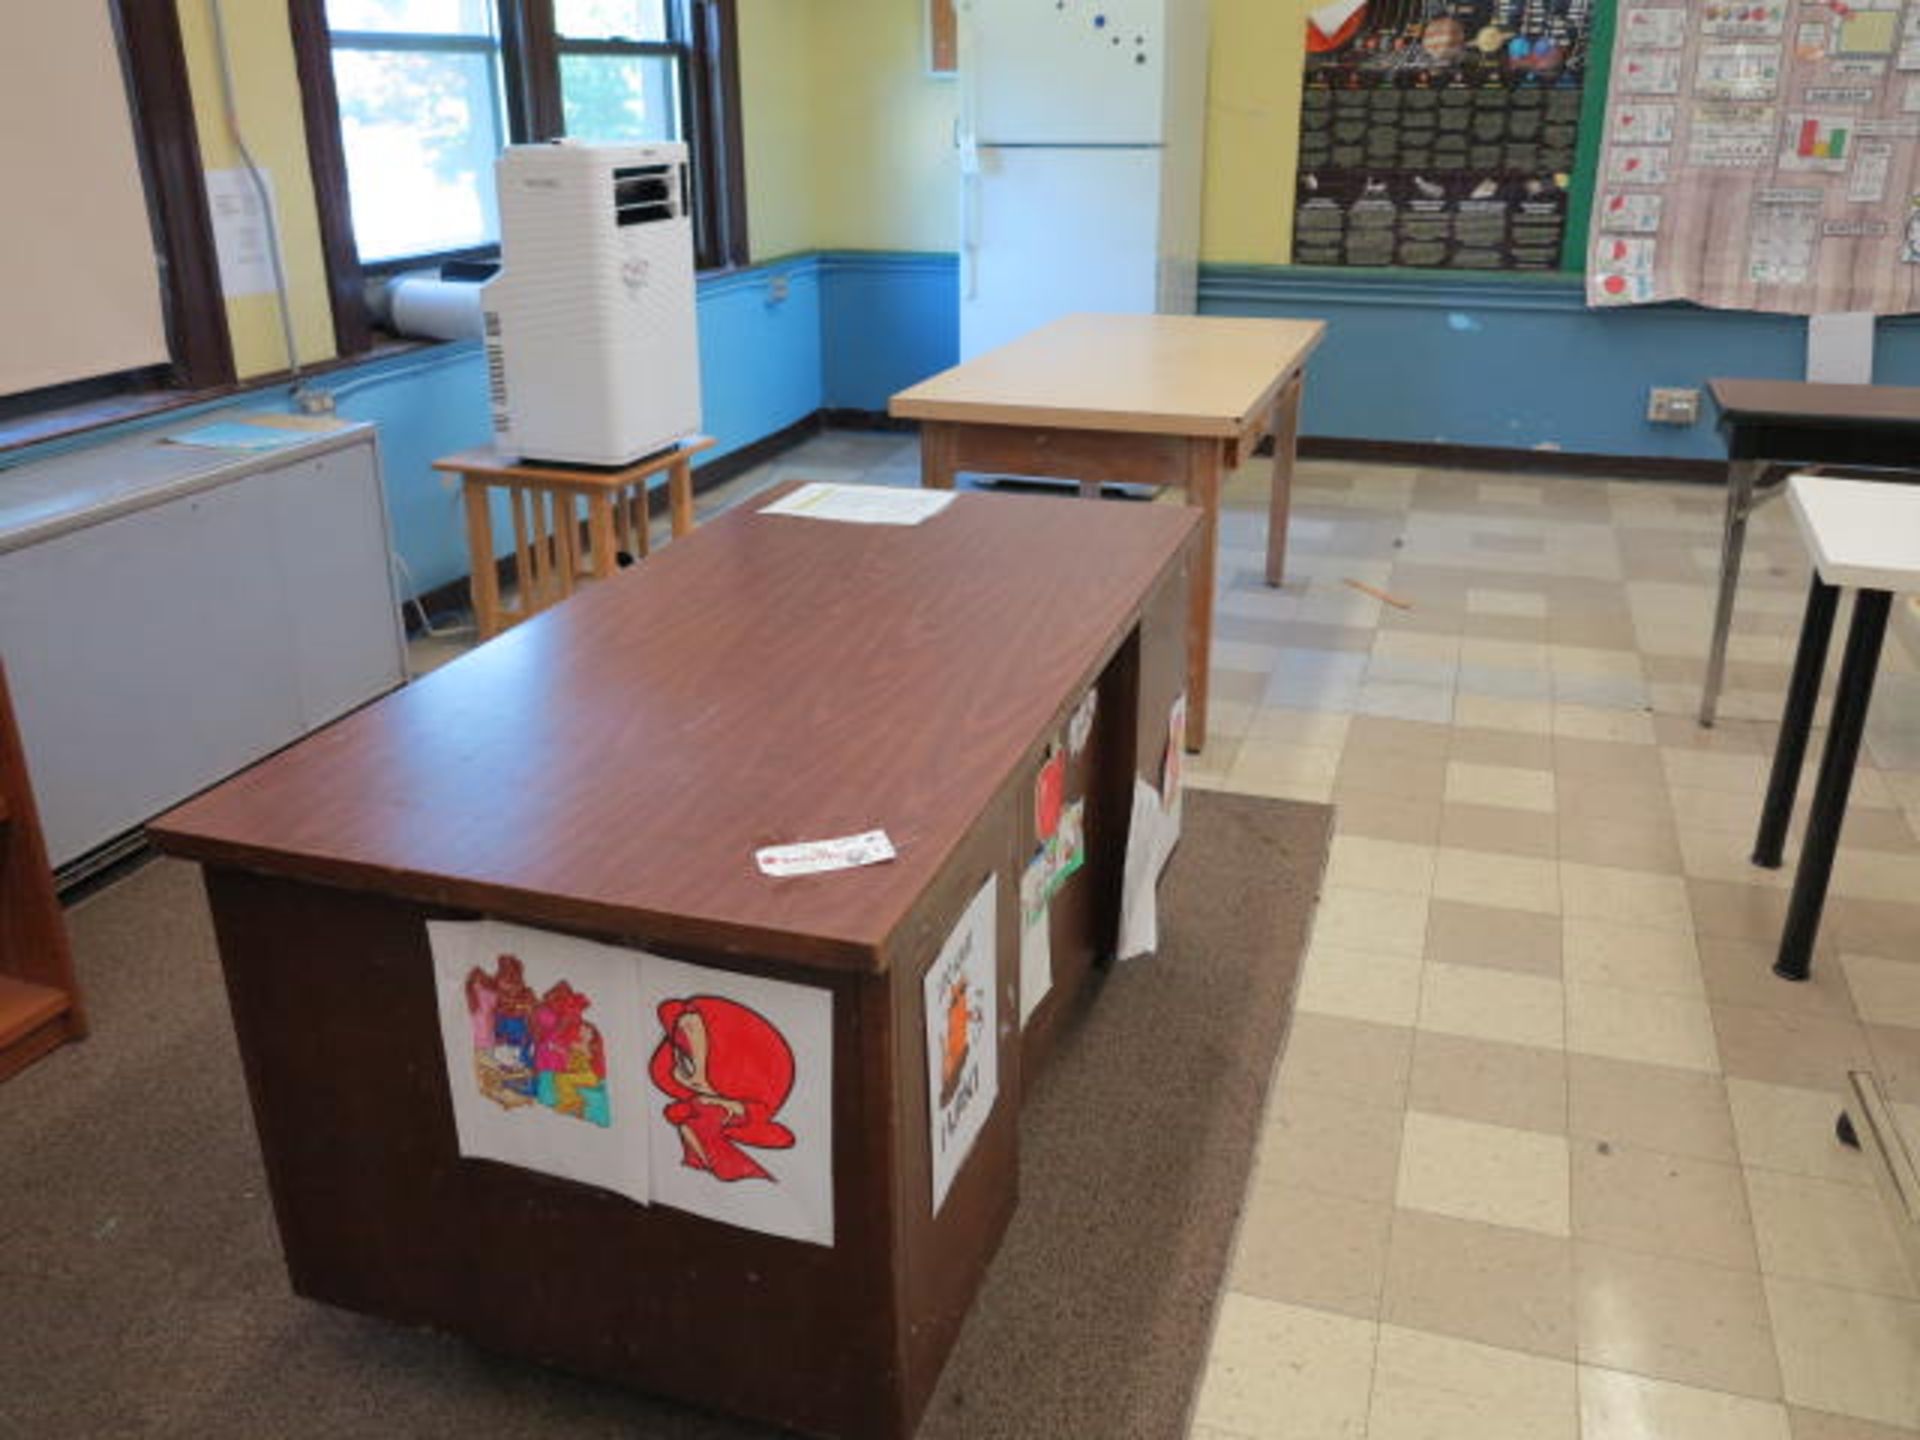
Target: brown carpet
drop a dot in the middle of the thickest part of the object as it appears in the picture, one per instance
(141, 1290)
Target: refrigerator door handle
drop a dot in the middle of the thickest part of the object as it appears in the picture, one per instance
(967, 140)
(969, 222)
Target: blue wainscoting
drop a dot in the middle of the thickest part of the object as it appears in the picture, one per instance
(1512, 361)
(886, 321)
(1509, 361)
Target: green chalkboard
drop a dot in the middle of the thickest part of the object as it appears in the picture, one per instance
(1593, 119)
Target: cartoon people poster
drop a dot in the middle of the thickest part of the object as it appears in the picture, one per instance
(739, 1103)
(543, 1044)
(963, 1060)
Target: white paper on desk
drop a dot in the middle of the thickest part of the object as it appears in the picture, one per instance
(543, 1050)
(1036, 936)
(1152, 832)
(861, 504)
(739, 1098)
(812, 857)
(961, 994)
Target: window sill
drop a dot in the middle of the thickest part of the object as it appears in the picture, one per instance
(71, 421)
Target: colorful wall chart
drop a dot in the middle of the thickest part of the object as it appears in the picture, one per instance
(672, 1084)
(1439, 133)
(1761, 155)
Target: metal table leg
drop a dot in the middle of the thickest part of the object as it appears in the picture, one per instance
(1743, 479)
(1803, 694)
(1850, 703)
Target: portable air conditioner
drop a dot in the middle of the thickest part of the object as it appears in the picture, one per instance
(593, 357)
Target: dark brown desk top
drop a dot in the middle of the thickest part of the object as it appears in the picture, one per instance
(1797, 401)
(613, 763)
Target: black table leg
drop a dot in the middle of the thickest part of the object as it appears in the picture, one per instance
(1803, 694)
(1850, 703)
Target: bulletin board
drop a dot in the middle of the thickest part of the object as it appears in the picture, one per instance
(1441, 134)
(1762, 155)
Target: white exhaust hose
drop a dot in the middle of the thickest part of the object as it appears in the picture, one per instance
(429, 308)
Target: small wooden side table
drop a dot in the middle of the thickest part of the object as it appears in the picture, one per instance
(543, 500)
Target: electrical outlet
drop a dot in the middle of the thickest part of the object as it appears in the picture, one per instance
(1673, 406)
(777, 288)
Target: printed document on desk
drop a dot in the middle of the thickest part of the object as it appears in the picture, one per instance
(861, 504)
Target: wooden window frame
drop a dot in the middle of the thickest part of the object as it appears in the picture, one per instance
(530, 51)
(153, 62)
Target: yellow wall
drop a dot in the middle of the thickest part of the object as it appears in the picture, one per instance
(777, 121)
(885, 170)
(268, 98)
(874, 131)
(1253, 130)
(848, 139)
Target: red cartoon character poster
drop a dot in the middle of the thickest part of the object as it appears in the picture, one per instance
(543, 1051)
(739, 1105)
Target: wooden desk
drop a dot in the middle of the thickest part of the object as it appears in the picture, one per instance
(1140, 399)
(546, 535)
(1775, 424)
(608, 769)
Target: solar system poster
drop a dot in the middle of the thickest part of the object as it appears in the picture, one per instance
(1439, 134)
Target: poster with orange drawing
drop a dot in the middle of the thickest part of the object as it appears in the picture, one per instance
(963, 1061)
(542, 1038)
(738, 1103)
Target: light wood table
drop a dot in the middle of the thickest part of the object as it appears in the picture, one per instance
(1130, 399)
(546, 528)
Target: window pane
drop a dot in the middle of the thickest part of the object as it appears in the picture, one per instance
(620, 97)
(611, 19)
(418, 17)
(421, 131)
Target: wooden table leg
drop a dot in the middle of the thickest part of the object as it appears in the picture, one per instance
(1202, 483)
(680, 496)
(484, 581)
(566, 542)
(939, 448)
(1286, 440)
(600, 532)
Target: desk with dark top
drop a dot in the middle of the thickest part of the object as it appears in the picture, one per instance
(608, 769)
(1770, 424)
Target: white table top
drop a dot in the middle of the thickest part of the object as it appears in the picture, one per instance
(1862, 533)
(1205, 375)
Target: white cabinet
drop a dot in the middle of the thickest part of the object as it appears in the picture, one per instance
(170, 615)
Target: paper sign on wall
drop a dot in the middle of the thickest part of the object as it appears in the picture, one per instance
(242, 236)
(739, 1115)
(544, 1057)
(963, 1062)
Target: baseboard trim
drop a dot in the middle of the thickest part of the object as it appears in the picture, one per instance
(454, 598)
(837, 418)
(1439, 455)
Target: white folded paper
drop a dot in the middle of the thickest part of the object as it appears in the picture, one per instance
(861, 504)
(810, 857)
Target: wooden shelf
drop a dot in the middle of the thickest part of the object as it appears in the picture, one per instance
(25, 1007)
(40, 1009)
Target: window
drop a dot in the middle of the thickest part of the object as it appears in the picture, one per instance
(422, 114)
(409, 101)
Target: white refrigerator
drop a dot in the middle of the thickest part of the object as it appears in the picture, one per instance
(1081, 127)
